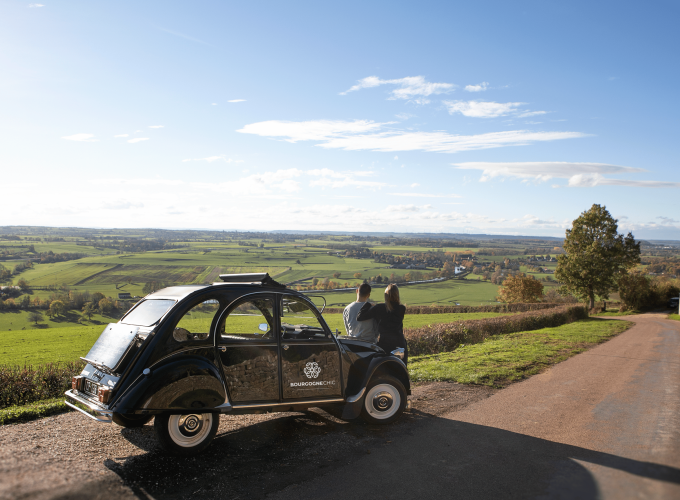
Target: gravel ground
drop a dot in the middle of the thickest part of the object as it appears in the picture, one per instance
(71, 456)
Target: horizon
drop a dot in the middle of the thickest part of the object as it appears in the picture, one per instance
(494, 119)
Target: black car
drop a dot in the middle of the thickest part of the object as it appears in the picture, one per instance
(185, 354)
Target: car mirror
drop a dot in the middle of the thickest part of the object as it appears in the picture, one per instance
(263, 327)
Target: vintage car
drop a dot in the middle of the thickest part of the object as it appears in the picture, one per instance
(185, 354)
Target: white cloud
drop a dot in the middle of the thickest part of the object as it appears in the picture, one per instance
(426, 195)
(138, 139)
(415, 184)
(211, 159)
(122, 205)
(367, 135)
(578, 174)
(336, 180)
(480, 87)
(531, 113)
(542, 170)
(122, 135)
(414, 88)
(214, 104)
(35, 5)
(186, 37)
(80, 138)
(317, 130)
(156, 126)
(237, 100)
(482, 109)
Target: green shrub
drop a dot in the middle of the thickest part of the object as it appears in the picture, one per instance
(32, 411)
(445, 337)
(23, 385)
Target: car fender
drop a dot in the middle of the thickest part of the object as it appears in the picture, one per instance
(387, 365)
(181, 382)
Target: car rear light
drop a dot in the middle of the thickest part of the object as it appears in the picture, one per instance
(77, 383)
(104, 394)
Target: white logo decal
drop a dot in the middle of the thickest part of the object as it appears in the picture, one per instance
(312, 369)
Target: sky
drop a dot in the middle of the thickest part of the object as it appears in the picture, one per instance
(487, 117)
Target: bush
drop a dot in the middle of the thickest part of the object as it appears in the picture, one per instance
(448, 336)
(22, 385)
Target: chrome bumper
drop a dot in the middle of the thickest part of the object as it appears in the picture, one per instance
(95, 412)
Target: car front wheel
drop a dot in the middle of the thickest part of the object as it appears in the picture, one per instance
(385, 400)
(186, 434)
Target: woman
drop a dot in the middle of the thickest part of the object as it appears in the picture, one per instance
(390, 318)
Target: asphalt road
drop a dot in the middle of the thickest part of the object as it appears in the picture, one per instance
(603, 424)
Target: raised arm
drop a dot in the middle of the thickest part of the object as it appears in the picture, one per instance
(366, 312)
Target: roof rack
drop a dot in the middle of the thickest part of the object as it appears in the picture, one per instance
(263, 278)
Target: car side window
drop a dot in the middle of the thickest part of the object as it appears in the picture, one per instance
(195, 324)
(250, 319)
(299, 321)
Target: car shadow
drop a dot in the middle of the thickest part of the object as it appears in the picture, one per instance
(421, 456)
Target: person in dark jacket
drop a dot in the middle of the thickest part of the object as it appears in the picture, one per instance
(390, 319)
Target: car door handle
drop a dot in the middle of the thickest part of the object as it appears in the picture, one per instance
(222, 348)
(285, 347)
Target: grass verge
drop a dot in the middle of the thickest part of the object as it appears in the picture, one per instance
(617, 313)
(32, 411)
(500, 360)
(676, 317)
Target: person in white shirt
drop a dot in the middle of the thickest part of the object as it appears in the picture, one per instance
(361, 330)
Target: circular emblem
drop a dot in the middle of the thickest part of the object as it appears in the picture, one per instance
(312, 369)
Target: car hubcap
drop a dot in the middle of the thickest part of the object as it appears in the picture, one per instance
(190, 430)
(382, 401)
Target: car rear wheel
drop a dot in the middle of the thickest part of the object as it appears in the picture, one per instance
(130, 421)
(187, 434)
(385, 400)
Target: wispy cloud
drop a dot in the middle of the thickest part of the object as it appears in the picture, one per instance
(327, 178)
(488, 109)
(578, 174)
(35, 5)
(414, 88)
(367, 135)
(156, 126)
(214, 104)
(122, 135)
(211, 159)
(182, 35)
(80, 138)
(237, 100)
(426, 195)
(480, 87)
(138, 139)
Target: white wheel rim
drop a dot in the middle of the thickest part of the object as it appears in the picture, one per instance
(382, 401)
(189, 430)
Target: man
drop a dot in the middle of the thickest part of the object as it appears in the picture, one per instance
(362, 330)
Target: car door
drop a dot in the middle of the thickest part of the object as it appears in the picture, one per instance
(310, 356)
(248, 349)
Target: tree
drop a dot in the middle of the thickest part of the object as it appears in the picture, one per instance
(596, 256)
(520, 288)
(23, 285)
(35, 316)
(634, 291)
(336, 275)
(357, 275)
(57, 308)
(89, 310)
(97, 296)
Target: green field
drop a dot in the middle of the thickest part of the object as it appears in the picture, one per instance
(68, 343)
(18, 320)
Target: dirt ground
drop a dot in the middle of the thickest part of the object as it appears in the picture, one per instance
(71, 456)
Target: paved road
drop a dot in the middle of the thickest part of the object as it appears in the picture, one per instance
(604, 424)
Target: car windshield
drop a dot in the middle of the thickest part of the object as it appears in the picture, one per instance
(148, 312)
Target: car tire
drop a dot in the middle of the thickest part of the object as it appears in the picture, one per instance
(385, 400)
(187, 434)
(131, 421)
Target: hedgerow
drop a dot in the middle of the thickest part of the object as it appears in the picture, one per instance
(23, 385)
(445, 337)
(437, 309)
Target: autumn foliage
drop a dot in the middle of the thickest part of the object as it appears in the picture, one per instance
(521, 289)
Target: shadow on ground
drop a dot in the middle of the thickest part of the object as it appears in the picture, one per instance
(422, 456)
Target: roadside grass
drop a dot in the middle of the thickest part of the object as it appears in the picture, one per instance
(32, 411)
(676, 317)
(52, 345)
(501, 360)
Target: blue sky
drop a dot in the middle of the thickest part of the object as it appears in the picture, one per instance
(484, 117)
